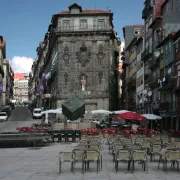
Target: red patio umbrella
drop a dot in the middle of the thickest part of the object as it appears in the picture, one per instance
(130, 116)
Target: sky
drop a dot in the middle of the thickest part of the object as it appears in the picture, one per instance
(23, 24)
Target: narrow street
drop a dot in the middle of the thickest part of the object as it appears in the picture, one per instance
(20, 116)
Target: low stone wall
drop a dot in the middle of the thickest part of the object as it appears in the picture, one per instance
(74, 125)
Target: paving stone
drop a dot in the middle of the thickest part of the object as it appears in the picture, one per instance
(22, 163)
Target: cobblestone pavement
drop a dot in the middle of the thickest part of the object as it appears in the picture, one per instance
(42, 163)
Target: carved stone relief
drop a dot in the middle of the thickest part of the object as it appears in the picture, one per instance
(100, 76)
(66, 56)
(83, 55)
(101, 54)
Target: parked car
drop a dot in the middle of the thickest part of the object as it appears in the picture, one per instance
(37, 113)
(3, 116)
(7, 109)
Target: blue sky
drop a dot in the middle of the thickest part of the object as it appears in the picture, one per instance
(23, 24)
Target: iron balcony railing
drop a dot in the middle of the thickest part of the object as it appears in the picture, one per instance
(168, 107)
(146, 53)
(166, 83)
(78, 28)
(148, 5)
(153, 64)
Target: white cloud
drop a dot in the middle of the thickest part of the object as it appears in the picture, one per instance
(21, 64)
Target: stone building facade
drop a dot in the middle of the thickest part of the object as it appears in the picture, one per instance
(87, 57)
(8, 83)
(20, 87)
(2, 57)
(80, 54)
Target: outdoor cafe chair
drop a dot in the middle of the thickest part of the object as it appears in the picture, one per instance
(142, 136)
(97, 147)
(156, 137)
(140, 155)
(92, 156)
(66, 157)
(122, 156)
(155, 150)
(170, 156)
(79, 156)
(115, 150)
(139, 140)
(94, 142)
(146, 145)
(177, 144)
(165, 140)
(162, 157)
(81, 146)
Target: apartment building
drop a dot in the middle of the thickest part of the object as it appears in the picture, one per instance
(161, 18)
(21, 87)
(131, 34)
(8, 83)
(140, 95)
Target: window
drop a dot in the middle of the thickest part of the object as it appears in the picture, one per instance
(75, 11)
(83, 23)
(101, 24)
(137, 31)
(66, 24)
(169, 46)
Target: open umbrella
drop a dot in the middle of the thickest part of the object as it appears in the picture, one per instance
(53, 111)
(101, 111)
(120, 111)
(131, 116)
(151, 116)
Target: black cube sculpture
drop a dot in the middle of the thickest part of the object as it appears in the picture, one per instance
(74, 107)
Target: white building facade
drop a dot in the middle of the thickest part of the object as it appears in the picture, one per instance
(21, 90)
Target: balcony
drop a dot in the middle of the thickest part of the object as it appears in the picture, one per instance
(144, 13)
(166, 83)
(147, 9)
(52, 77)
(41, 71)
(2, 71)
(146, 53)
(151, 81)
(167, 107)
(153, 64)
(70, 29)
